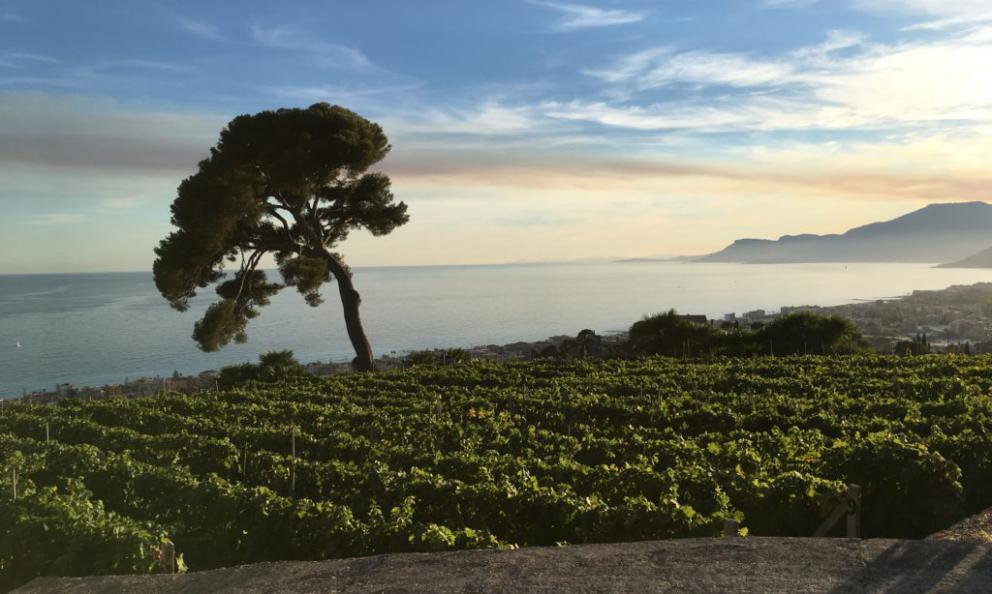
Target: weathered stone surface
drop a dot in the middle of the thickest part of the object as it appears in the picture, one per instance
(765, 565)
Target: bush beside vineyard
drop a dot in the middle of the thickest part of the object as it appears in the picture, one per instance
(483, 455)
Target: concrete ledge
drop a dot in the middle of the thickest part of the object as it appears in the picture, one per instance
(731, 565)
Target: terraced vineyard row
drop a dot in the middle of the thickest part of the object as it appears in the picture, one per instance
(486, 455)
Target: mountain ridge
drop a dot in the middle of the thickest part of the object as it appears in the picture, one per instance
(936, 233)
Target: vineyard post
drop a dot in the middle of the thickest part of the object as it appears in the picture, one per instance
(47, 435)
(13, 481)
(167, 558)
(849, 506)
(854, 511)
(730, 527)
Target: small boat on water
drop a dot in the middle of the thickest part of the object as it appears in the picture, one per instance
(18, 343)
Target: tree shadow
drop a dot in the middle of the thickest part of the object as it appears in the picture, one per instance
(922, 567)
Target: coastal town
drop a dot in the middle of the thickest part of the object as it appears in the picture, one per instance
(950, 318)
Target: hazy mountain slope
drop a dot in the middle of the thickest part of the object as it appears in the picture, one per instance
(936, 233)
(982, 259)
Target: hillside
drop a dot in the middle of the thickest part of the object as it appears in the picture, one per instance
(936, 233)
(982, 259)
(491, 456)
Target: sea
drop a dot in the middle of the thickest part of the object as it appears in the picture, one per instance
(99, 329)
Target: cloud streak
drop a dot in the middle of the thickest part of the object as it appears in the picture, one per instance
(788, 3)
(842, 83)
(57, 218)
(200, 29)
(855, 172)
(582, 16)
(12, 59)
(947, 13)
(288, 37)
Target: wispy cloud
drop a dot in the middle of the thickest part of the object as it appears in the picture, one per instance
(288, 37)
(200, 29)
(843, 83)
(489, 117)
(935, 7)
(122, 202)
(139, 64)
(662, 67)
(836, 41)
(57, 218)
(37, 81)
(17, 59)
(756, 113)
(583, 16)
(945, 14)
(788, 3)
(7, 16)
(337, 94)
(902, 171)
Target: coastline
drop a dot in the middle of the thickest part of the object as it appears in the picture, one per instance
(106, 333)
(954, 316)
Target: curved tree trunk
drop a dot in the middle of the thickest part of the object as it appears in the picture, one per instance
(350, 301)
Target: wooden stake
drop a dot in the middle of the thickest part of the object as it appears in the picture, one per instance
(730, 527)
(13, 480)
(167, 558)
(850, 507)
(854, 511)
(47, 435)
(292, 486)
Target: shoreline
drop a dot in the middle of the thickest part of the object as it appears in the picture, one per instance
(954, 315)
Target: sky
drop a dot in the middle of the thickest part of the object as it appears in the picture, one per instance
(522, 130)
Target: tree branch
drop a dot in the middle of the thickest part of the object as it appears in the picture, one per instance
(252, 263)
(285, 224)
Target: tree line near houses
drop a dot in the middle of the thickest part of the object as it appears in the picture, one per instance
(667, 334)
(672, 335)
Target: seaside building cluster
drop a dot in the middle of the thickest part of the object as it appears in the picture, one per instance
(144, 386)
(953, 316)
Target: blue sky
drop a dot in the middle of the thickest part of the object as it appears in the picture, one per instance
(522, 129)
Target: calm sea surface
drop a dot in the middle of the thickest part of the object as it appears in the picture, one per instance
(96, 329)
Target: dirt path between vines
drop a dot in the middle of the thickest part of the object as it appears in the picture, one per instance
(731, 565)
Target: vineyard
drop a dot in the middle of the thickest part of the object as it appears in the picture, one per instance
(486, 455)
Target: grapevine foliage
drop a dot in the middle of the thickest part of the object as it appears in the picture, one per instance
(483, 455)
